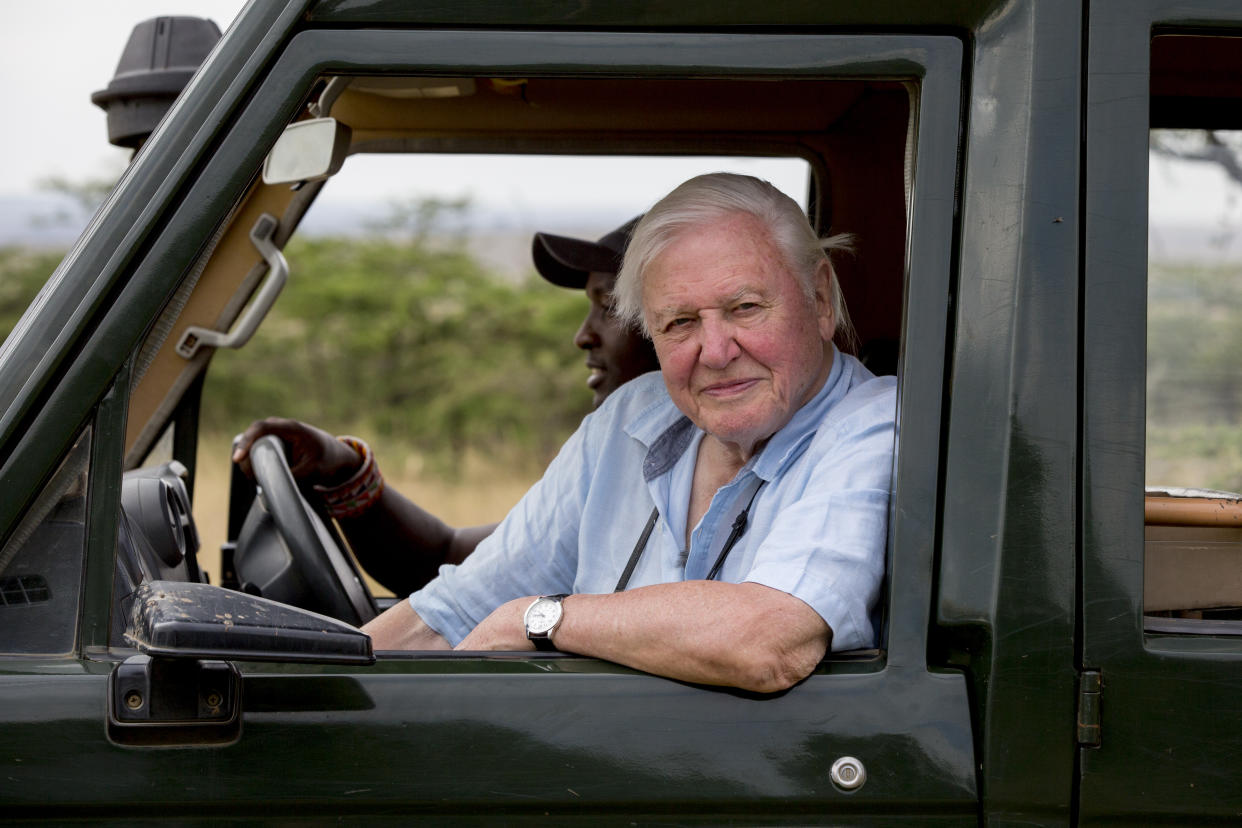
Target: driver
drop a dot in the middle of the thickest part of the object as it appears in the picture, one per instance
(341, 470)
(723, 522)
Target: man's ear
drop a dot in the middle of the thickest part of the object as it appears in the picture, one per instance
(825, 282)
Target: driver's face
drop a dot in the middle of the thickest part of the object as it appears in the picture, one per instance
(615, 353)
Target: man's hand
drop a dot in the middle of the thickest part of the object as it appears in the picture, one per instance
(397, 542)
(315, 456)
(504, 629)
(400, 628)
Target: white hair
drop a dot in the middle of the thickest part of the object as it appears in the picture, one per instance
(708, 198)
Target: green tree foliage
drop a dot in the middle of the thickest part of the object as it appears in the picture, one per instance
(22, 272)
(401, 336)
(1194, 376)
(405, 340)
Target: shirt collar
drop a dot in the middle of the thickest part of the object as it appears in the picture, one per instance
(667, 433)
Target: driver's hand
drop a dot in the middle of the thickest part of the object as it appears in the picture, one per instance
(315, 456)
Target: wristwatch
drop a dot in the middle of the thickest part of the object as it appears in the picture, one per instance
(542, 618)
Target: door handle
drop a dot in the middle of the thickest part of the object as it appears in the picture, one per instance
(195, 337)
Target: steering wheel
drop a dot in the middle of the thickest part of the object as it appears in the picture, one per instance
(286, 553)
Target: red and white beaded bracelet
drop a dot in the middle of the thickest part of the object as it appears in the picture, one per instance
(360, 492)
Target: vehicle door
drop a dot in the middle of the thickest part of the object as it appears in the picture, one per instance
(514, 736)
(1161, 649)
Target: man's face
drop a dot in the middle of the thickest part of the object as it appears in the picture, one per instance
(615, 353)
(740, 345)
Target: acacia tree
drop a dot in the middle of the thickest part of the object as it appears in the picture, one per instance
(1220, 147)
(406, 335)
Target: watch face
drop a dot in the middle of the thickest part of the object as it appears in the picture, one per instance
(542, 615)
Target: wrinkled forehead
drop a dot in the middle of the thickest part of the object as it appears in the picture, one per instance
(717, 257)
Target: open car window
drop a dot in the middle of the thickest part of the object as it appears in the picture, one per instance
(1193, 509)
(443, 276)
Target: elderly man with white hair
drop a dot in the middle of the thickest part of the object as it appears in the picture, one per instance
(722, 521)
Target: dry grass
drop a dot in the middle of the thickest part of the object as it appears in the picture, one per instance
(483, 492)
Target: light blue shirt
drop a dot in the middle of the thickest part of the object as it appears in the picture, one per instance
(817, 528)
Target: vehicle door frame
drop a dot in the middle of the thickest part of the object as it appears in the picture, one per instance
(1168, 704)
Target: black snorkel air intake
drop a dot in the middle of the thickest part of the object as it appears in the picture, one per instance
(162, 54)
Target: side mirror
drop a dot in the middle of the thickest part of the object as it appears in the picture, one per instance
(307, 151)
(188, 620)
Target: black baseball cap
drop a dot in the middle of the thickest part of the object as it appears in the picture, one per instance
(568, 262)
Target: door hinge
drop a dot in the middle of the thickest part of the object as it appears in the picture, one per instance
(1089, 684)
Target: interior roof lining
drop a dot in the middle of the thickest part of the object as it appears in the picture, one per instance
(619, 105)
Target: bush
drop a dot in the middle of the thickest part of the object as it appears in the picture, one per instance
(22, 272)
(1194, 376)
(415, 343)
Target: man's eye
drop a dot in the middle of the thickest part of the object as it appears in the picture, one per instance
(679, 322)
(746, 307)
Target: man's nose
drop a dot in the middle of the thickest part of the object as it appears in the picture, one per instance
(586, 338)
(717, 346)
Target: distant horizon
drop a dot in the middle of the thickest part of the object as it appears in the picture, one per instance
(53, 221)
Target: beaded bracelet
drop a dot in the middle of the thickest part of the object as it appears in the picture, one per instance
(360, 492)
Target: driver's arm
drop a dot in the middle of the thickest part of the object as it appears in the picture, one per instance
(740, 635)
(399, 544)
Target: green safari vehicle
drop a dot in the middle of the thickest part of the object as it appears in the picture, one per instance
(1059, 644)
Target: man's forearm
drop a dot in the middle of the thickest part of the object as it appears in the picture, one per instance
(741, 635)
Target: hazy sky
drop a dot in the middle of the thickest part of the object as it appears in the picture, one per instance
(55, 53)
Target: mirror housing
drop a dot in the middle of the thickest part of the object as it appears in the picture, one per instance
(307, 151)
(188, 620)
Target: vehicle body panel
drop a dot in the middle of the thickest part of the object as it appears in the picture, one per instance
(1015, 560)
